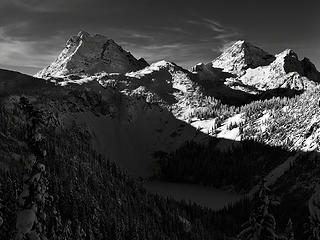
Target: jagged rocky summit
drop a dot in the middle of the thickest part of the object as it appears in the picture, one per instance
(86, 54)
(241, 56)
(245, 67)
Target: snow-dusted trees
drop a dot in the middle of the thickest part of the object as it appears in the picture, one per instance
(32, 200)
(35, 124)
(1, 206)
(288, 232)
(31, 214)
(314, 211)
(261, 224)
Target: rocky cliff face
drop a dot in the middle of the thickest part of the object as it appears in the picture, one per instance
(87, 54)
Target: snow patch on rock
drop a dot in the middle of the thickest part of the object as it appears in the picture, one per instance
(207, 126)
(227, 132)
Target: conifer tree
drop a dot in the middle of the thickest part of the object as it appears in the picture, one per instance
(314, 211)
(288, 232)
(31, 202)
(261, 224)
(1, 206)
(31, 216)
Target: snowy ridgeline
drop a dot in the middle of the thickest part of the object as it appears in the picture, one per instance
(241, 71)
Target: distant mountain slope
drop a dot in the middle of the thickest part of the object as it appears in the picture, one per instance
(87, 54)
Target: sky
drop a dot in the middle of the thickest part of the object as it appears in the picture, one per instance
(33, 32)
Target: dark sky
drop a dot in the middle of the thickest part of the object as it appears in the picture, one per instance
(33, 32)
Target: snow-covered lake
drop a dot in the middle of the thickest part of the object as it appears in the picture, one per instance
(204, 196)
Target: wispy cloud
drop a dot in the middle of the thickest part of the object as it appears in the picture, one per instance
(214, 25)
(38, 6)
(211, 24)
(221, 35)
(176, 29)
(220, 32)
(165, 46)
(26, 54)
(228, 35)
(141, 35)
(20, 53)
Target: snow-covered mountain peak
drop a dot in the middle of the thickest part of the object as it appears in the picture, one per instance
(286, 71)
(86, 54)
(245, 67)
(83, 34)
(240, 56)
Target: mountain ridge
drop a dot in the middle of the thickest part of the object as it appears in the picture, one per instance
(242, 70)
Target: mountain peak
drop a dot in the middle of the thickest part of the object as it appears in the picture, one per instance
(288, 53)
(83, 34)
(86, 54)
(241, 44)
(288, 60)
(240, 56)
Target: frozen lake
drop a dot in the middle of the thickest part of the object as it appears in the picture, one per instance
(204, 196)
